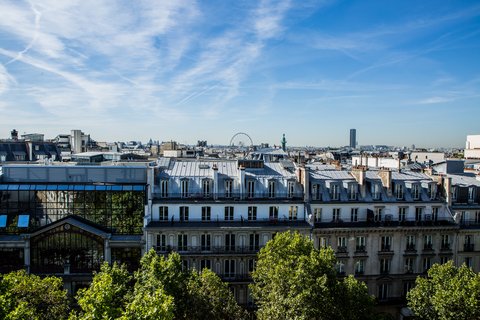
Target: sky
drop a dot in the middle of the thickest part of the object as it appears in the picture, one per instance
(400, 72)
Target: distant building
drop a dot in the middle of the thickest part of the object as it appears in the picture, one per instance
(353, 138)
(36, 137)
(472, 147)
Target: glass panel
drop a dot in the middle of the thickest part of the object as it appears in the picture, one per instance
(23, 221)
(3, 221)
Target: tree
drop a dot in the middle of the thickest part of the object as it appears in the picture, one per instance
(293, 280)
(107, 295)
(448, 292)
(24, 296)
(212, 299)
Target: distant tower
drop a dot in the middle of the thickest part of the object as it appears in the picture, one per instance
(353, 138)
(284, 143)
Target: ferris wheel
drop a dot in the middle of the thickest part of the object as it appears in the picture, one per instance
(241, 139)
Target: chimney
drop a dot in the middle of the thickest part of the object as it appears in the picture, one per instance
(303, 177)
(359, 173)
(241, 180)
(447, 184)
(215, 181)
(386, 177)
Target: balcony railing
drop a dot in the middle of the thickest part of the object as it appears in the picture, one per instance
(228, 195)
(410, 247)
(469, 247)
(360, 249)
(249, 249)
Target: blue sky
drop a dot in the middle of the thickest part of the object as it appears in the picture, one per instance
(400, 72)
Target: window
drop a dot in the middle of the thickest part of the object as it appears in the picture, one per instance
(407, 286)
(292, 213)
(207, 188)
(252, 213)
(415, 191)
(291, 189)
(184, 188)
(477, 217)
(468, 243)
(468, 261)
(432, 191)
(445, 242)
(383, 291)
(317, 214)
(184, 265)
(454, 193)
(251, 265)
(228, 188)
(230, 242)
(206, 213)
(271, 189)
(352, 191)
(340, 266)
(323, 242)
(163, 213)
(250, 189)
(378, 214)
(206, 242)
(229, 213)
(399, 192)
(164, 188)
(427, 263)
(205, 263)
(376, 193)
(359, 267)
(427, 242)
(183, 213)
(229, 267)
(435, 213)
(182, 242)
(384, 266)
(409, 265)
(418, 214)
(316, 194)
(386, 243)
(354, 215)
(360, 244)
(334, 191)
(161, 242)
(254, 242)
(444, 260)
(471, 194)
(273, 213)
(342, 244)
(410, 243)
(336, 214)
(402, 214)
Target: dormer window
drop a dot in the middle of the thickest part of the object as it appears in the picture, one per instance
(184, 188)
(375, 191)
(471, 194)
(334, 192)
(399, 191)
(291, 189)
(164, 188)
(432, 191)
(207, 188)
(271, 189)
(250, 188)
(415, 191)
(316, 194)
(228, 188)
(352, 191)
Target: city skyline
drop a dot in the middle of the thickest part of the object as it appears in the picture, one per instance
(400, 73)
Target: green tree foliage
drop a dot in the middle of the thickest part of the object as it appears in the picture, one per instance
(211, 298)
(293, 280)
(24, 296)
(107, 295)
(447, 293)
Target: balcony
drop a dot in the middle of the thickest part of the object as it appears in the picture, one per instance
(445, 247)
(232, 277)
(385, 250)
(226, 196)
(468, 247)
(428, 247)
(204, 250)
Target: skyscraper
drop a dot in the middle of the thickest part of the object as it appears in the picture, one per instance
(353, 138)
